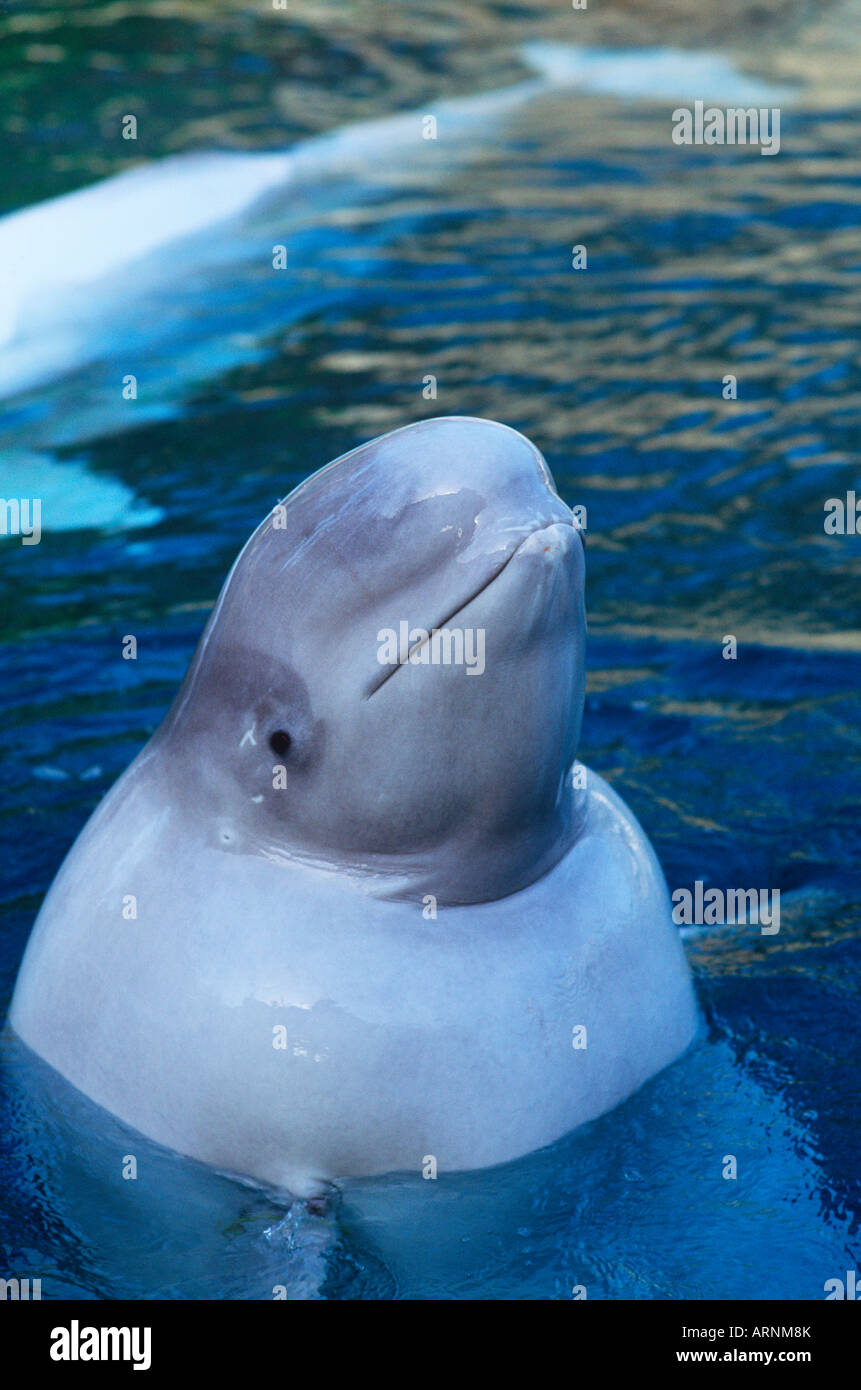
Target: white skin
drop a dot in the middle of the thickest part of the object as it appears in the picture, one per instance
(301, 908)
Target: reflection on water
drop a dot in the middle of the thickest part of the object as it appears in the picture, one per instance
(705, 518)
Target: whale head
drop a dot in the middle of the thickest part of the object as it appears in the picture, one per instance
(392, 680)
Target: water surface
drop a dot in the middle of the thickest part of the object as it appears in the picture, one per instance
(705, 519)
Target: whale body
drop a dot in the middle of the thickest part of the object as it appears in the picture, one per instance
(346, 912)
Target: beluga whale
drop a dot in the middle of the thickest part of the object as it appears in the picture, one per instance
(356, 903)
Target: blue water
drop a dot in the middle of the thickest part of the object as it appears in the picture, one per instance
(705, 518)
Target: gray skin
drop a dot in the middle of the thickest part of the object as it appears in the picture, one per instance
(285, 1005)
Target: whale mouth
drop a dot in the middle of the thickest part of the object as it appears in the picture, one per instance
(417, 646)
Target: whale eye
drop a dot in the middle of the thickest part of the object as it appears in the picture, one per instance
(279, 742)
